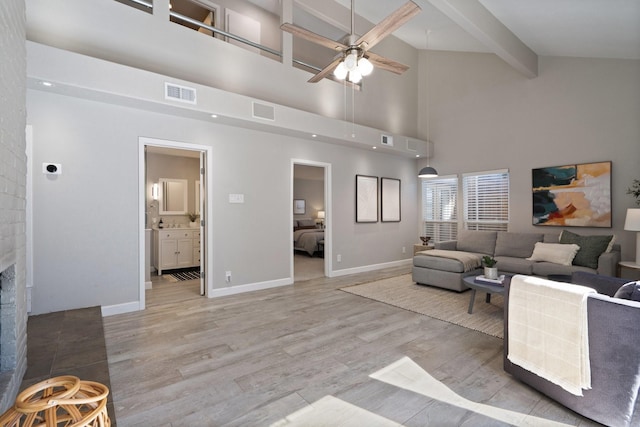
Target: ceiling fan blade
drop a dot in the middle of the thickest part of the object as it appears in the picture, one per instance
(325, 71)
(389, 25)
(386, 63)
(313, 37)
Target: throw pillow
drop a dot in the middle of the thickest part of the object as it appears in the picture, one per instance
(629, 291)
(556, 253)
(591, 247)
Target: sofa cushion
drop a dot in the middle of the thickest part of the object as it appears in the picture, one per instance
(544, 269)
(629, 291)
(591, 247)
(551, 238)
(518, 245)
(514, 265)
(557, 253)
(483, 242)
(437, 263)
(606, 285)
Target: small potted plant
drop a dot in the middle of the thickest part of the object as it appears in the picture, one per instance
(490, 269)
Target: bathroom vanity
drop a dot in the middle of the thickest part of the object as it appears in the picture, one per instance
(176, 248)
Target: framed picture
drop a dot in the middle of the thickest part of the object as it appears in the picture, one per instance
(366, 198)
(390, 199)
(299, 207)
(576, 195)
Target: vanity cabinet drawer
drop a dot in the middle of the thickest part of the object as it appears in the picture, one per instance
(176, 234)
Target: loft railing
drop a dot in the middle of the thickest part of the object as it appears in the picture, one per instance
(215, 30)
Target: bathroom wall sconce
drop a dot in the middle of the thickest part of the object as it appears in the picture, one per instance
(154, 191)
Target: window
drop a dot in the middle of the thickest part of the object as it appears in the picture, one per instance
(486, 200)
(439, 208)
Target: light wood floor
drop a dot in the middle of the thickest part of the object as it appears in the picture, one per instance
(253, 359)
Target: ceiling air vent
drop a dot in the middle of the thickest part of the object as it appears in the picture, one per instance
(262, 111)
(412, 145)
(179, 93)
(386, 140)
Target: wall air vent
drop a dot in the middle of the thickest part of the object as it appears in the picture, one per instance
(262, 111)
(412, 145)
(386, 140)
(179, 93)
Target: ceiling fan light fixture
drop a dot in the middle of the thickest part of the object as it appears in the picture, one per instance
(341, 71)
(355, 76)
(351, 60)
(365, 66)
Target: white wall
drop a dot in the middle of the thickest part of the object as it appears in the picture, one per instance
(86, 221)
(485, 116)
(13, 170)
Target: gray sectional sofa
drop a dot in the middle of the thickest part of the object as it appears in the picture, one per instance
(511, 250)
(614, 353)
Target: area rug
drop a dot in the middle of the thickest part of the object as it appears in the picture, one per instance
(180, 276)
(442, 304)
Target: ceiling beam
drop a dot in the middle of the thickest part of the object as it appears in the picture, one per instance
(474, 18)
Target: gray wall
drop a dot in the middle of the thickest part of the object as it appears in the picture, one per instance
(312, 192)
(86, 221)
(485, 116)
(134, 38)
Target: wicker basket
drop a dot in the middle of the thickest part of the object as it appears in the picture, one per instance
(62, 401)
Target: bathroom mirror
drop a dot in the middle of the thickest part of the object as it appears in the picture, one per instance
(173, 196)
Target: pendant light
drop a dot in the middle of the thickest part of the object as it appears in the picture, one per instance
(427, 171)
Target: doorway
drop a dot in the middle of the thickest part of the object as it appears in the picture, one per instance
(311, 218)
(174, 217)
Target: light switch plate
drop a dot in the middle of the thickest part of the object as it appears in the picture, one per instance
(236, 198)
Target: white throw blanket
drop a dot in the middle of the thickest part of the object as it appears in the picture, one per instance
(548, 333)
(469, 260)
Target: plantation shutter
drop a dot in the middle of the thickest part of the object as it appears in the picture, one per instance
(439, 208)
(486, 200)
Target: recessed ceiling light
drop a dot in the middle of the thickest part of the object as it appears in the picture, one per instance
(417, 155)
(47, 84)
(375, 148)
(314, 136)
(214, 116)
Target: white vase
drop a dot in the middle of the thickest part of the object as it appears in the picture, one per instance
(491, 272)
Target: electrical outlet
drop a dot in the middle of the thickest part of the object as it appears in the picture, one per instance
(404, 250)
(228, 276)
(339, 258)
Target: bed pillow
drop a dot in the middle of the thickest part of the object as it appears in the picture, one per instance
(305, 222)
(295, 224)
(630, 291)
(557, 253)
(305, 227)
(591, 247)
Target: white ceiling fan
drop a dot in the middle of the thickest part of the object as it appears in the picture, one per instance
(354, 60)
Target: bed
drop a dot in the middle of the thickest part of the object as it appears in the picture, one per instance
(306, 236)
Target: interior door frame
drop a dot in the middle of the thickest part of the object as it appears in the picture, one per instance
(206, 262)
(328, 221)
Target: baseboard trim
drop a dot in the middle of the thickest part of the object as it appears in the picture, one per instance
(372, 267)
(127, 307)
(240, 289)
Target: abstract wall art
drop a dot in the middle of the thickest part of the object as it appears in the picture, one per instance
(577, 195)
